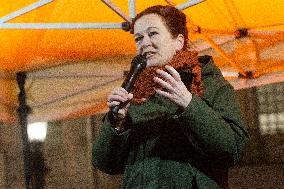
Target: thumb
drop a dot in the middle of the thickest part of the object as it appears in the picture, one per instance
(130, 96)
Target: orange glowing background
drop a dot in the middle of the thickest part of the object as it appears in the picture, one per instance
(215, 28)
(29, 49)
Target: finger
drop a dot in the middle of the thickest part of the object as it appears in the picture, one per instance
(117, 98)
(121, 113)
(119, 91)
(113, 104)
(130, 96)
(166, 76)
(127, 106)
(173, 72)
(123, 90)
(164, 84)
(112, 98)
(163, 93)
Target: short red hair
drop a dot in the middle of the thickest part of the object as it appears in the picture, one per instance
(174, 19)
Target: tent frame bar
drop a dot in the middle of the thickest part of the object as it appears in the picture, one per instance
(188, 4)
(116, 9)
(61, 26)
(24, 10)
(132, 8)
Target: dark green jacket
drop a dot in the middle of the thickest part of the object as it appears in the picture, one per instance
(165, 149)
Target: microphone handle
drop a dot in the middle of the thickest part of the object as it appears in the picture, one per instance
(138, 64)
(127, 86)
(115, 109)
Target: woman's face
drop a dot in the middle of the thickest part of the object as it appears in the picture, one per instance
(154, 40)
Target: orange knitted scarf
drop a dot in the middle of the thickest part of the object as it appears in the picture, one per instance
(144, 86)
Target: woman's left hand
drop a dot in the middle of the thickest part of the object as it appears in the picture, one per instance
(176, 91)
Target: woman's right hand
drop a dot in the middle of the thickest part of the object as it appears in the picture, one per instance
(117, 96)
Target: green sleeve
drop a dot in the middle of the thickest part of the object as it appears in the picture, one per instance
(217, 127)
(110, 149)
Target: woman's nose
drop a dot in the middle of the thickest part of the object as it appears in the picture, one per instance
(146, 41)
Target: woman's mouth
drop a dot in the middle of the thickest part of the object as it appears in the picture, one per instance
(149, 54)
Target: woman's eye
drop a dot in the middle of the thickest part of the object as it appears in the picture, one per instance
(152, 33)
(137, 39)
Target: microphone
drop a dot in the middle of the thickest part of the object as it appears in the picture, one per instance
(137, 65)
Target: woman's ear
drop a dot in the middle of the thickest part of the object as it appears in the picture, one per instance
(179, 42)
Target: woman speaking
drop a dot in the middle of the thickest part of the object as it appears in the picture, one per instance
(179, 126)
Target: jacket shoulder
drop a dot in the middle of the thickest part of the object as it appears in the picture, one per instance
(212, 78)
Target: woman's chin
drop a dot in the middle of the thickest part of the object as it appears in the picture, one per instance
(151, 63)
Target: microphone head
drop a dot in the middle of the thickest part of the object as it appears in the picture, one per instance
(139, 61)
(137, 65)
